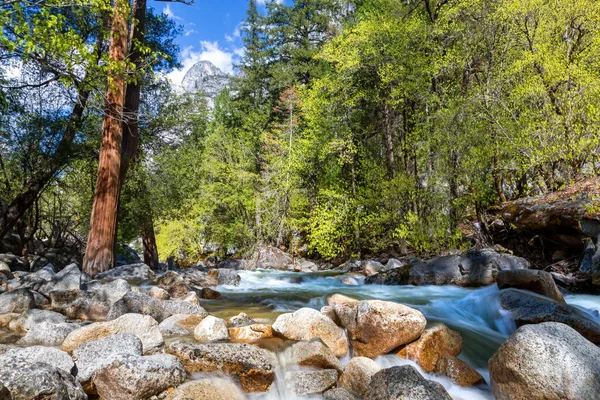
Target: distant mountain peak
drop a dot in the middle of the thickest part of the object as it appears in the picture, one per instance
(205, 76)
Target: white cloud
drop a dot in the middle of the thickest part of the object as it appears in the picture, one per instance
(188, 32)
(169, 13)
(209, 51)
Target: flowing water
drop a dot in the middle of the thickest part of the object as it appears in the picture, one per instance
(475, 313)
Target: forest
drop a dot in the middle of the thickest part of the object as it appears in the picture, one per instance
(350, 126)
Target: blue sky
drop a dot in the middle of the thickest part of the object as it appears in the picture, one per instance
(211, 31)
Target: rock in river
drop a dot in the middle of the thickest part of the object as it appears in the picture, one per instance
(404, 383)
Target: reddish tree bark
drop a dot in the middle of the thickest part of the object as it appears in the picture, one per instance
(100, 255)
(149, 242)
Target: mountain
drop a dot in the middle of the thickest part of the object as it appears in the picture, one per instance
(206, 77)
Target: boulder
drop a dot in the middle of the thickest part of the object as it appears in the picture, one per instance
(197, 277)
(340, 394)
(358, 374)
(546, 361)
(536, 281)
(475, 268)
(80, 304)
(16, 301)
(14, 263)
(348, 280)
(225, 276)
(231, 263)
(211, 329)
(159, 293)
(96, 354)
(376, 327)
(239, 320)
(32, 317)
(270, 257)
(314, 353)
(329, 312)
(306, 266)
(435, 341)
(70, 278)
(250, 365)
(5, 270)
(48, 333)
(109, 292)
(179, 325)
(457, 371)
(209, 294)
(160, 310)
(38, 380)
(394, 263)
(169, 278)
(212, 388)
(131, 272)
(250, 333)
(304, 383)
(142, 326)
(40, 354)
(404, 383)
(307, 323)
(131, 377)
(7, 319)
(525, 308)
(371, 267)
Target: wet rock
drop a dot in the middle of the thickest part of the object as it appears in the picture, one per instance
(546, 361)
(475, 268)
(239, 320)
(358, 374)
(525, 308)
(212, 388)
(179, 325)
(96, 354)
(250, 365)
(80, 304)
(404, 383)
(131, 272)
(159, 293)
(377, 327)
(37, 380)
(458, 371)
(211, 329)
(225, 276)
(303, 383)
(251, 333)
(16, 301)
(142, 326)
(160, 310)
(340, 394)
(197, 277)
(435, 341)
(40, 354)
(131, 377)
(349, 281)
(70, 278)
(536, 281)
(371, 267)
(394, 263)
(314, 353)
(307, 323)
(209, 294)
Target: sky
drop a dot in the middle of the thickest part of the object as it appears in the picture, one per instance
(211, 31)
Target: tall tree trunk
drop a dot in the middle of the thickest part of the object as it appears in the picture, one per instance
(149, 241)
(99, 254)
(389, 140)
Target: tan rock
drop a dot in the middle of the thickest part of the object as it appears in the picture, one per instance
(207, 389)
(435, 341)
(307, 323)
(250, 333)
(179, 324)
(329, 312)
(458, 371)
(358, 373)
(159, 293)
(5, 319)
(530, 279)
(142, 326)
(314, 353)
(380, 326)
(211, 329)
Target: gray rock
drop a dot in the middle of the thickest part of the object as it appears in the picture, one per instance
(32, 317)
(404, 383)
(211, 329)
(209, 388)
(131, 377)
(160, 310)
(371, 267)
(302, 383)
(36, 380)
(239, 320)
(109, 292)
(14, 263)
(526, 308)
(546, 361)
(179, 325)
(40, 354)
(250, 365)
(340, 394)
(231, 263)
(131, 272)
(536, 281)
(225, 276)
(197, 277)
(48, 333)
(204, 77)
(16, 301)
(5, 270)
(270, 257)
(358, 374)
(70, 278)
(306, 266)
(95, 355)
(394, 263)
